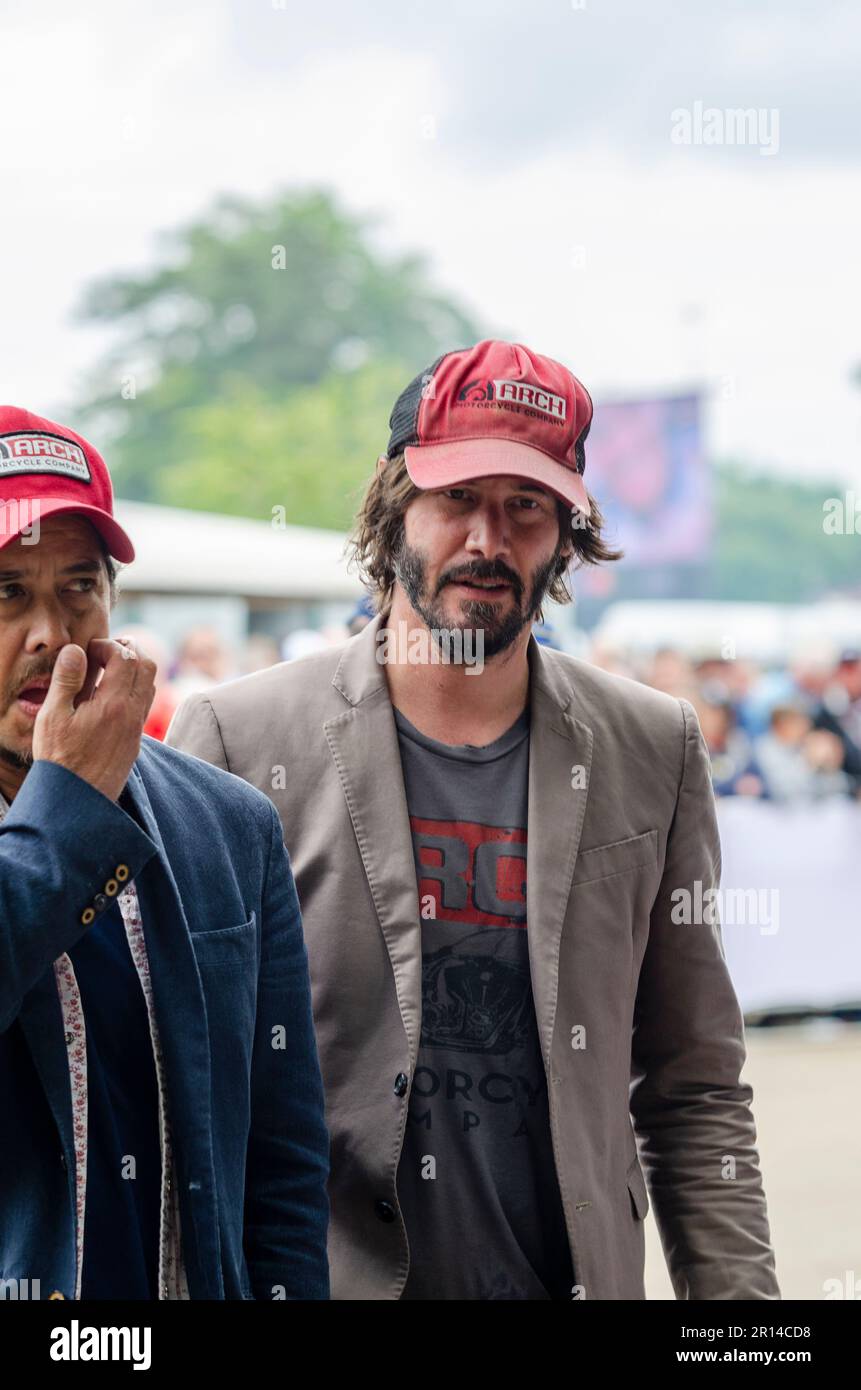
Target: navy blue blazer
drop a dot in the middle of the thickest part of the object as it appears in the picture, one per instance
(228, 964)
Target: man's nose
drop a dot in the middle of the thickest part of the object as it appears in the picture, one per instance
(488, 532)
(48, 629)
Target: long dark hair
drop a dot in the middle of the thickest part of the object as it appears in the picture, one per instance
(379, 530)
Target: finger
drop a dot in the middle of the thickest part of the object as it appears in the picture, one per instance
(119, 662)
(142, 687)
(67, 677)
(101, 649)
(94, 670)
(104, 652)
(146, 672)
(148, 702)
(131, 653)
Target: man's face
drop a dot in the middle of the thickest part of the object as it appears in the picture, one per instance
(51, 593)
(481, 555)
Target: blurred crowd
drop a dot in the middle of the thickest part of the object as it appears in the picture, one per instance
(782, 734)
(790, 733)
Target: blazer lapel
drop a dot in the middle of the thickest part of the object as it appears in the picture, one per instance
(180, 1010)
(364, 744)
(41, 1021)
(560, 762)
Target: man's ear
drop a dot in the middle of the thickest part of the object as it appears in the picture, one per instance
(381, 462)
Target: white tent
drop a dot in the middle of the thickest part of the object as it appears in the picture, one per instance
(183, 552)
(704, 628)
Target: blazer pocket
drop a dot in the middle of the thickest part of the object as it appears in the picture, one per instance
(226, 945)
(639, 852)
(637, 1190)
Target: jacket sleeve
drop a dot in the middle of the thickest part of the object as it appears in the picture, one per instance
(286, 1202)
(194, 729)
(691, 1112)
(60, 844)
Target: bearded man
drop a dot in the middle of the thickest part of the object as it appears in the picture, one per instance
(488, 837)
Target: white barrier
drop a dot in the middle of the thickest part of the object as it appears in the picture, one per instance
(804, 949)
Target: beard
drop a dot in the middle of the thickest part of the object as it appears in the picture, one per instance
(19, 762)
(500, 628)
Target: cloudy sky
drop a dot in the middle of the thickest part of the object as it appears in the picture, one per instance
(527, 150)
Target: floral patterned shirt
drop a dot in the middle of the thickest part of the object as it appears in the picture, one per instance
(172, 1281)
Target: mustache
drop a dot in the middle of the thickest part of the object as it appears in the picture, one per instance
(488, 572)
(44, 667)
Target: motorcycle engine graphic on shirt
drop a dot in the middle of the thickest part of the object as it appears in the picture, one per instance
(475, 984)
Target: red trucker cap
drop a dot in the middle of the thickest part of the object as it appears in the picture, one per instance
(47, 469)
(496, 408)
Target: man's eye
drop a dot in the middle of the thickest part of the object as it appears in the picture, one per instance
(457, 494)
(89, 583)
(10, 591)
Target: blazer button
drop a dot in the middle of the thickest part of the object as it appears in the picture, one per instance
(57, 1294)
(385, 1211)
(100, 902)
(401, 1084)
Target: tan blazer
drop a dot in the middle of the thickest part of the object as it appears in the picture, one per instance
(640, 1028)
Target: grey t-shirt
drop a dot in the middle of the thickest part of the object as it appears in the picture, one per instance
(477, 1185)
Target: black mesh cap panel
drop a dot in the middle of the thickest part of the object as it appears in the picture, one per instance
(404, 419)
(580, 450)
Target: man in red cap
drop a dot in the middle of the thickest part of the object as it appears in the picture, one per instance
(488, 837)
(158, 1140)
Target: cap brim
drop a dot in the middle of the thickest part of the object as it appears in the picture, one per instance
(459, 461)
(115, 538)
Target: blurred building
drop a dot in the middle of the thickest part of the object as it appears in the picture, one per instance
(238, 576)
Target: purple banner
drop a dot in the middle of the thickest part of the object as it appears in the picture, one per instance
(645, 463)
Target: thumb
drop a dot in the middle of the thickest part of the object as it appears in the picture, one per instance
(68, 676)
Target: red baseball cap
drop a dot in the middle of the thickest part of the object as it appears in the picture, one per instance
(50, 470)
(496, 408)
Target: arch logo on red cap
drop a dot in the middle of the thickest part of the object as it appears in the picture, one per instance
(496, 408)
(47, 470)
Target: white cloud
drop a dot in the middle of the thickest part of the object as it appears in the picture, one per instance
(124, 128)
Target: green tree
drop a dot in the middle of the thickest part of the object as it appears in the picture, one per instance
(770, 540)
(253, 305)
(310, 452)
